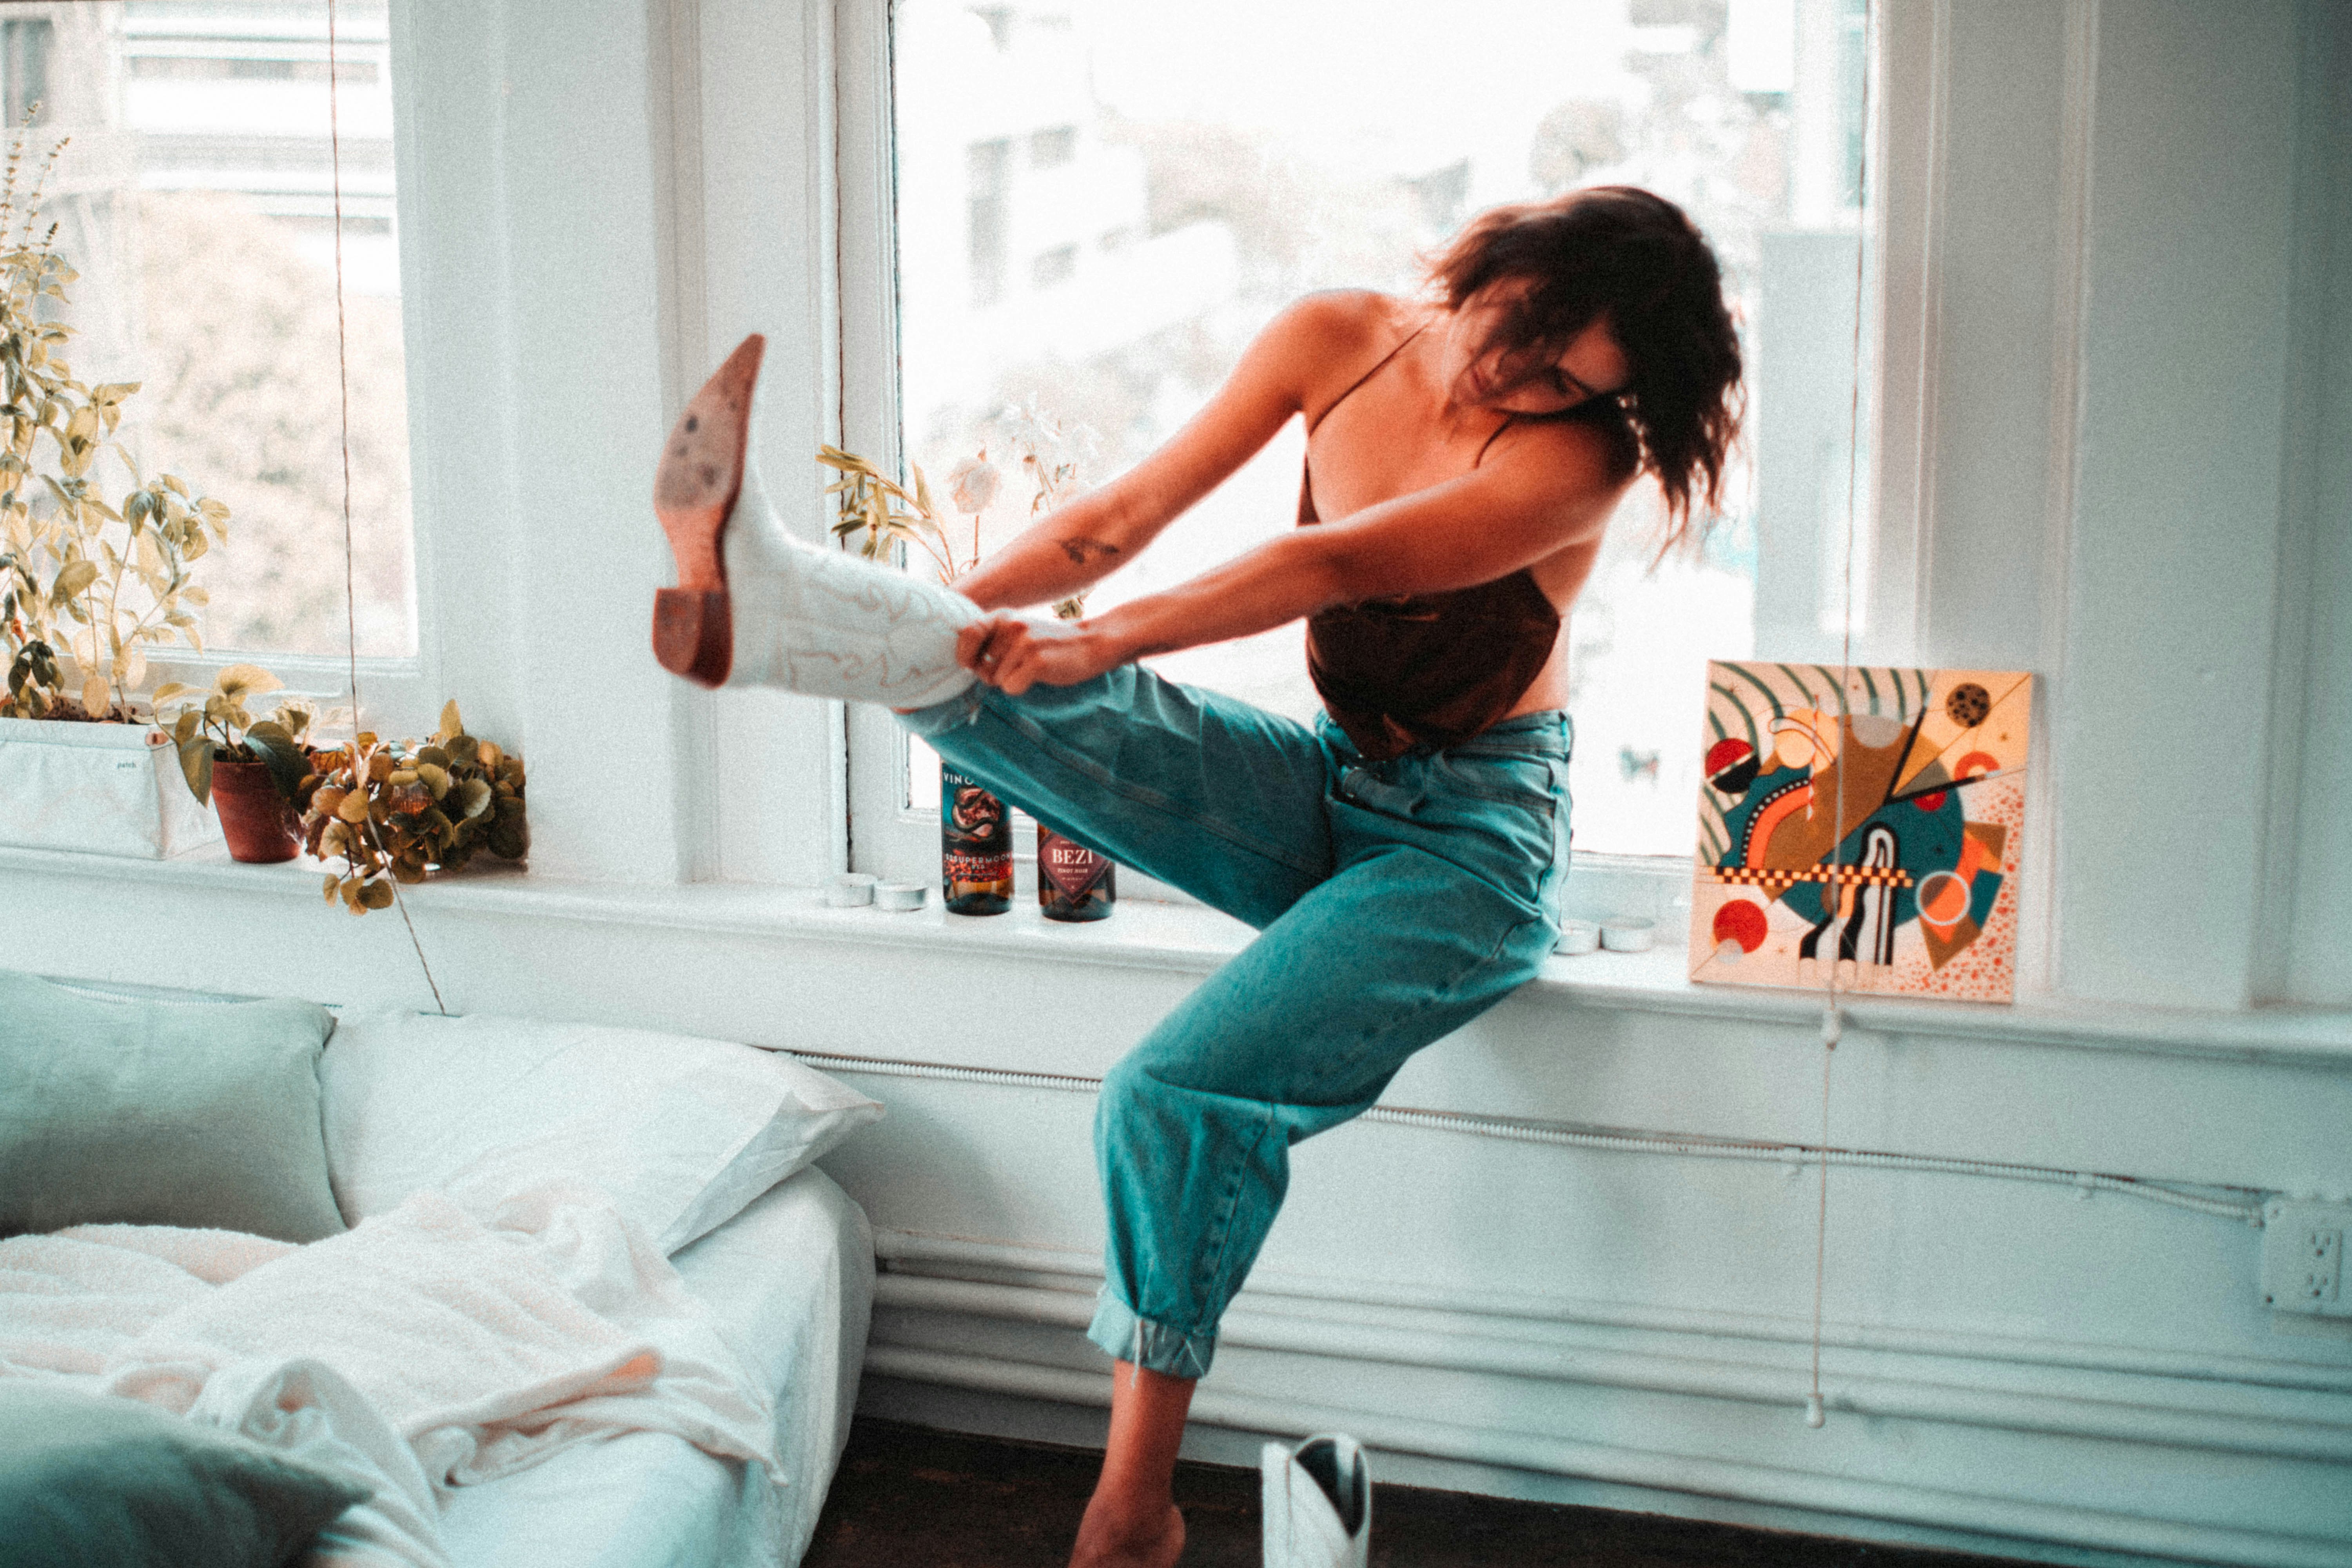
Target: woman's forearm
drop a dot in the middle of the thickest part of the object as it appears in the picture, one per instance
(1269, 586)
(1065, 552)
(1274, 585)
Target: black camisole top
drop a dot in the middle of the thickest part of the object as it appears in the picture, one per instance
(1426, 670)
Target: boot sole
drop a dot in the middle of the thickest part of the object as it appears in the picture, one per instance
(694, 489)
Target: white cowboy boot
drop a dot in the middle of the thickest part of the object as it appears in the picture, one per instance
(754, 605)
(1317, 1501)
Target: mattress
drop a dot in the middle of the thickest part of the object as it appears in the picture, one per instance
(790, 1281)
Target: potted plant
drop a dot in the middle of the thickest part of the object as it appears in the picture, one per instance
(250, 770)
(398, 810)
(87, 586)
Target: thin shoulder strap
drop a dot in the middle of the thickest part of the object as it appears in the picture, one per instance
(1367, 376)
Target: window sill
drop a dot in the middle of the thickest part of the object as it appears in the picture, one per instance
(1190, 939)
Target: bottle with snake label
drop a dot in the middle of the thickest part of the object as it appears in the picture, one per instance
(975, 847)
(1073, 883)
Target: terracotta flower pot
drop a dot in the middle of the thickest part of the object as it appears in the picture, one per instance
(259, 823)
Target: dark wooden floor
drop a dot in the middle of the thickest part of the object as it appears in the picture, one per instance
(905, 1497)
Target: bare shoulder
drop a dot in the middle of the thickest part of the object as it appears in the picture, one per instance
(1343, 323)
(1579, 454)
(1330, 338)
(1339, 316)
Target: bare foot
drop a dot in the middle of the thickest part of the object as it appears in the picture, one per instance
(1108, 1540)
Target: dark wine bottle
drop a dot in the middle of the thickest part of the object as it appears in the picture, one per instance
(975, 847)
(1073, 883)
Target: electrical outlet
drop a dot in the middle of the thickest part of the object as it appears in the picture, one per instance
(2322, 1265)
(2303, 1257)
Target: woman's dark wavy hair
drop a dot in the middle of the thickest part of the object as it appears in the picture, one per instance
(1622, 253)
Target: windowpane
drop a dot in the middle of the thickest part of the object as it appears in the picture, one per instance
(1191, 169)
(195, 199)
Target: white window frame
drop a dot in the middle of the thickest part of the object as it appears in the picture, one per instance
(401, 695)
(890, 840)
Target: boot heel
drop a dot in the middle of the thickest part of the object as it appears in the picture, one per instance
(694, 489)
(694, 634)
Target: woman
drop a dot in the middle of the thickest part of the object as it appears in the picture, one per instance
(1401, 857)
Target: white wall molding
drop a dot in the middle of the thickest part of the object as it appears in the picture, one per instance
(2027, 1396)
(1936, 1352)
(1409, 1428)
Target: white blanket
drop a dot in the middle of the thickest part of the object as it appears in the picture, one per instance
(427, 1349)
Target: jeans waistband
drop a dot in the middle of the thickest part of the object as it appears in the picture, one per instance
(1548, 732)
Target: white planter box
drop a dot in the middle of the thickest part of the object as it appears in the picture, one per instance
(102, 789)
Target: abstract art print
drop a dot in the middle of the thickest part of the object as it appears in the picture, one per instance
(1880, 833)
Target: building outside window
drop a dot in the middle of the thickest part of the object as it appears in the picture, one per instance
(195, 198)
(987, 164)
(1136, 195)
(1052, 147)
(1246, 182)
(24, 68)
(1056, 266)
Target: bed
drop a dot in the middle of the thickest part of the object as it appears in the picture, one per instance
(649, 1498)
(496, 1291)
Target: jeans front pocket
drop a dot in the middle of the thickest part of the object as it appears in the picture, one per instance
(1497, 815)
(1507, 778)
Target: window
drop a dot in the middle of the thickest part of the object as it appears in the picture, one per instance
(1052, 147)
(1056, 266)
(986, 240)
(1237, 182)
(24, 70)
(215, 68)
(197, 200)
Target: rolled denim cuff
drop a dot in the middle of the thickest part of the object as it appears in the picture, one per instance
(1156, 1347)
(946, 714)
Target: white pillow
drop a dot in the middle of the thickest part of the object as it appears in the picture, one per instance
(681, 1133)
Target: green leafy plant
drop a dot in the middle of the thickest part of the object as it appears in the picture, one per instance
(80, 577)
(385, 812)
(217, 725)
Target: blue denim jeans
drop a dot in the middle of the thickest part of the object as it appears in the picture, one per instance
(1396, 900)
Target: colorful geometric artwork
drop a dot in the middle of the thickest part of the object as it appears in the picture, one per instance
(1880, 833)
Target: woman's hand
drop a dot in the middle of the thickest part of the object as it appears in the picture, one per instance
(1012, 653)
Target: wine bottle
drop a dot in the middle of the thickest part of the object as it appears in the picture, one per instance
(975, 847)
(1073, 883)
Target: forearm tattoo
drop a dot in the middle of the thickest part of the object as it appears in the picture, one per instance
(1087, 552)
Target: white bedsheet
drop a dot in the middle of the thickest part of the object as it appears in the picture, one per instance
(790, 1281)
(531, 1385)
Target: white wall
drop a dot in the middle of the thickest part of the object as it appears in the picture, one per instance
(2128, 421)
